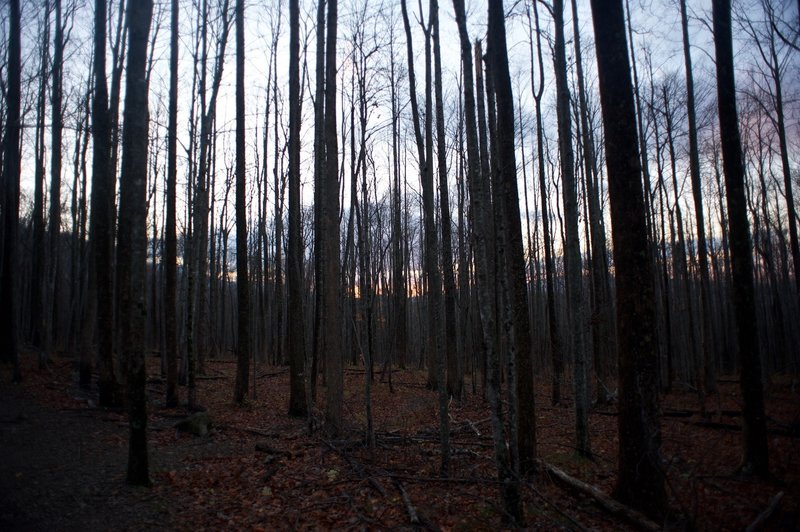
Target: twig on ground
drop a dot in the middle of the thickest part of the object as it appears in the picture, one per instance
(768, 511)
(412, 512)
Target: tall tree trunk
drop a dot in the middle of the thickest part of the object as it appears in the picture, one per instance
(556, 355)
(319, 195)
(484, 184)
(170, 229)
(100, 294)
(294, 270)
(39, 266)
(603, 337)
(572, 251)
(57, 95)
(446, 361)
(399, 293)
(332, 326)
(709, 377)
(640, 480)
(518, 327)
(454, 384)
(9, 345)
(132, 252)
(755, 457)
(242, 279)
(481, 216)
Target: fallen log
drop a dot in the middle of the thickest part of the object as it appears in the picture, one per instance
(604, 501)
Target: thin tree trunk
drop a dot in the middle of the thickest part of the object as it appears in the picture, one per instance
(332, 326)
(572, 251)
(170, 230)
(452, 356)
(242, 279)
(709, 377)
(755, 457)
(294, 273)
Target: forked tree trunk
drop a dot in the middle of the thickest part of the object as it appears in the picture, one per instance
(481, 214)
(516, 293)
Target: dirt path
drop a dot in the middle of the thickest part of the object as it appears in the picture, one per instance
(58, 471)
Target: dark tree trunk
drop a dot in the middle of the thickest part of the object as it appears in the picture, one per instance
(242, 279)
(319, 169)
(572, 251)
(99, 305)
(332, 321)
(57, 94)
(603, 337)
(445, 349)
(170, 229)
(454, 383)
(294, 273)
(9, 345)
(755, 457)
(709, 377)
(556, 355)
(481, 214)
(640, 481)
(39, 267)
(131, 251)
(516, 285)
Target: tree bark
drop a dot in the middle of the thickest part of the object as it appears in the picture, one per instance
(170, 230)
(755, 457)
(709, 377)
(332, 325)
(242, 279)
(518, 326)
(131, 251)
(9, 335)
(640, 482)
(454, 383)
(294, 274)
(572, 251)
(481, 216)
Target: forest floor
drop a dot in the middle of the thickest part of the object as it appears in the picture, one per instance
(63, 459)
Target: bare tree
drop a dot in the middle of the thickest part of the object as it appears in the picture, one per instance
(755, 457)
(170, 230)
(242, 280)
(554, 338)
(296, 323)
(131, 251)
(572, 251)
(517, 319)
(99, 305)
(332, 321)
(640, 479)
(481, 214)
(709, 379)
(9, 345)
